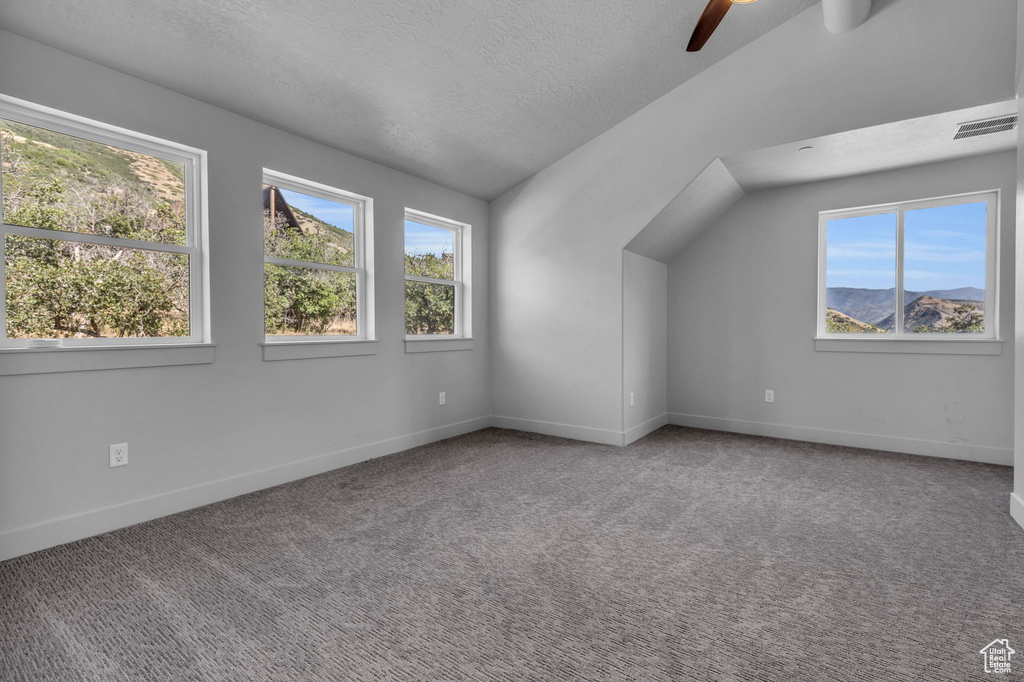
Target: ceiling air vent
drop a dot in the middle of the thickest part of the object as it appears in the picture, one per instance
(986, 127)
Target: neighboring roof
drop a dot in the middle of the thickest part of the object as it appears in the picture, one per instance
(272, 197)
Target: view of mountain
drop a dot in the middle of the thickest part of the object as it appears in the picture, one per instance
(930, 312)
(872, 306)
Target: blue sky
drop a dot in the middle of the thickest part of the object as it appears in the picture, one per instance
(944, 248)
(421, 238)
(331, 212)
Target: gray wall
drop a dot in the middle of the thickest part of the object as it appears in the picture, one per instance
(557, 238)
(644, 344)
(204, 432)
(1017, 499)
(742, 300)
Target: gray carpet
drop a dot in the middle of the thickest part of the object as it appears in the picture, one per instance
(690, 555)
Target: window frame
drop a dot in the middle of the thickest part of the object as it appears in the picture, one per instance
(461, 274)
(991, 197)
(196, 246)
(362, 268)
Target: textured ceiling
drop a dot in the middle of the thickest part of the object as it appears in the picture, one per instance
(476, 95)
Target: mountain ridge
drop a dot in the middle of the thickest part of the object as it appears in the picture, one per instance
(872, 306)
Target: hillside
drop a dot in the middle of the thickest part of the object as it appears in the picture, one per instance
(874, 305)
(931, 313)
(838, 323)
(338, 238)
(86, 164)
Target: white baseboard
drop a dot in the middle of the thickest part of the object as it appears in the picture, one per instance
(912, 446)
(39, 536)
(1017, 508)
(641, 430)
(19, 541)
(603, 436)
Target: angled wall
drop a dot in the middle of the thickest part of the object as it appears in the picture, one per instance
(557, 238)
(644, 345)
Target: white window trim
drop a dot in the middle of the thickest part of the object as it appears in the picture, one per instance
(15, 351)
(462, 280)
(987, 343)
(292, 347)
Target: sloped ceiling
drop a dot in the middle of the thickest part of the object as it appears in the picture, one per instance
(698, 206)
(476, 95)
(900, 144)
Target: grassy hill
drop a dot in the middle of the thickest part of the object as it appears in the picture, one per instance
(338, 238)
(838, 323)
(84, 164)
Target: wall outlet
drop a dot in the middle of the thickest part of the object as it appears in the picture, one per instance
(769, 395)
(631, 399)
(118, 454)
(441, 398)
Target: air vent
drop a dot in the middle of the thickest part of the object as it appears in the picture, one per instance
(986, 127)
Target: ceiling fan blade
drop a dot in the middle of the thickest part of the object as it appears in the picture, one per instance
(707, 23)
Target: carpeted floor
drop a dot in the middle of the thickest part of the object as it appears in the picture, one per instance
(499, 555)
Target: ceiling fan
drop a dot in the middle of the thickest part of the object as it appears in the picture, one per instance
(709, 21)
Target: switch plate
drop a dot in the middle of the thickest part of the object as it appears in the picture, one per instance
(441, 398)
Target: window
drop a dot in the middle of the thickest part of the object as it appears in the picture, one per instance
(921, 270)
(104, 234)
(316, 250)
(436, 273)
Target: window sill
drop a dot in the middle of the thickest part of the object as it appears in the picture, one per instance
(428, 345)
(306, 350)
(15, 361)
(929, 347)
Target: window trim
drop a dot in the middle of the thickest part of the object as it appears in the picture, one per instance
(900, 339)
(287, 347)
(194, 161)
(461, 273)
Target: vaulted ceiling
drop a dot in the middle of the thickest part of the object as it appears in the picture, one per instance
(476, 95)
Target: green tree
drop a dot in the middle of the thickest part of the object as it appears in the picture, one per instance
(429, 307)
(305, 300)
(60, 289)
(965, 318)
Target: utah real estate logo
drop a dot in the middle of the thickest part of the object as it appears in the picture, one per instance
(997, 656)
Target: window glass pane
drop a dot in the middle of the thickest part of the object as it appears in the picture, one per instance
(307, 228)
(429, 308)
(59, 289)
(944, 268)
(309, 301)
(860, 271)
(54, 181)
(429, 251)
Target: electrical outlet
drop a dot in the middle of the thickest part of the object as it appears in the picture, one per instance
(441, 398)
(769, 395)
(118, 454)
(631, 399)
